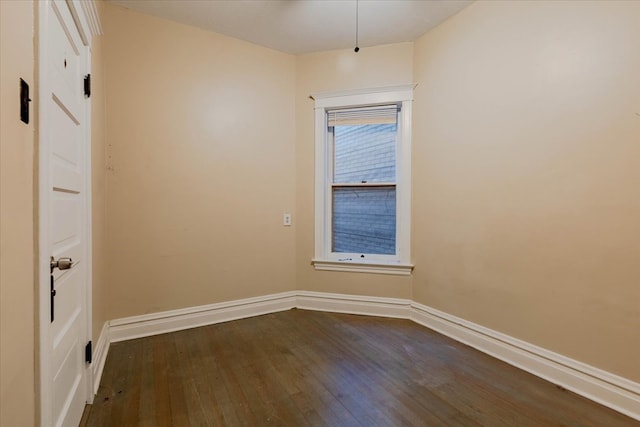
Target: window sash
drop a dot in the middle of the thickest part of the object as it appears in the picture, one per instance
(376, 234)
(345, 173)
(359, 116)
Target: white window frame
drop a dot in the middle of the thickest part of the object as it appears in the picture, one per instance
(325, 259)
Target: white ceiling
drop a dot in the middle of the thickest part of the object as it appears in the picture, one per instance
(303, 26)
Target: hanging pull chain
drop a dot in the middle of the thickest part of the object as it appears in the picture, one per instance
(357, 49)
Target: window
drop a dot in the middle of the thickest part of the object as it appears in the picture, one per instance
(363, 181)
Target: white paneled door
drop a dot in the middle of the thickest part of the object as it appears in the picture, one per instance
(64, 216)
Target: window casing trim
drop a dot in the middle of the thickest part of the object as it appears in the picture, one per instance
(324, 258)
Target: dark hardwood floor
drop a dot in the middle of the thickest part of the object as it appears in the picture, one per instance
(298, 368)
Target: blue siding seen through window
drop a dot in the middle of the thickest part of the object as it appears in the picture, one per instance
(364, 218)
(365, 153)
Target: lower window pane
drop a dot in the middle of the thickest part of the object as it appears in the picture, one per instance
(364, 220)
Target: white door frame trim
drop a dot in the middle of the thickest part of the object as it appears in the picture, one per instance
(43, 214)
(86, 29)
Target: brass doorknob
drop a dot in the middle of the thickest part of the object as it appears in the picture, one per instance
(61, 263)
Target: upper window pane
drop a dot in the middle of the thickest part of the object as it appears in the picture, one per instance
(365, 153)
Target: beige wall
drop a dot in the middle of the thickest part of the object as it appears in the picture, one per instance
(527, 175)
(526, 196)
(200, 159)
(329, 71)
(17, 262)
(100, 289)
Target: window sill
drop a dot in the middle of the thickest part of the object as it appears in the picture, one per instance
(363, 267)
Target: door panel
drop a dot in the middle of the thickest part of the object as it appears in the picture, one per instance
(65, 63)
(67, 307)
(66, 162)
(66, 232)
(68, 407)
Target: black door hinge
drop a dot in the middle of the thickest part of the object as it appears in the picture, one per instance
(87, 85)
(88, 353)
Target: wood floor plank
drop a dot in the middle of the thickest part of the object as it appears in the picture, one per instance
(306, 368)
(146, 414)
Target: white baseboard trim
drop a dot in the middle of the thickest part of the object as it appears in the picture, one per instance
(354, 304)
(100, 356)
(175, 320)
(600, 386)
